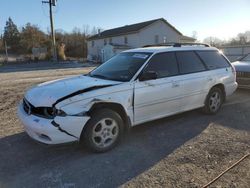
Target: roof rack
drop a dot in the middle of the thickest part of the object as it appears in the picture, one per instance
(177, 44)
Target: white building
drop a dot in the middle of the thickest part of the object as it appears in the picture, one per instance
(107, 43)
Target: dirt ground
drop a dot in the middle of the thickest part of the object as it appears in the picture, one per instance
(186, 150)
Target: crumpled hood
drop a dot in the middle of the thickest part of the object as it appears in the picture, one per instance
(46, 94)
(242, 66)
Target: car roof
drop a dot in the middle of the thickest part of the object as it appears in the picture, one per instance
(158, 49)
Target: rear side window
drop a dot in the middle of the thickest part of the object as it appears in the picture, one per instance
(164, 64)
(189, 62)
(213, 59)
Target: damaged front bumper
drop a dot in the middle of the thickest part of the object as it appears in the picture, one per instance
(52, 131)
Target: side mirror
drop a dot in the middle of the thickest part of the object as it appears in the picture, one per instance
(150, 75)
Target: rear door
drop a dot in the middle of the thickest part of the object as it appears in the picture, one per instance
(159, 97)
(194, 82)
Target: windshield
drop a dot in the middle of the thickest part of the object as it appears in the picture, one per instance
(246, 58)
(121, 67)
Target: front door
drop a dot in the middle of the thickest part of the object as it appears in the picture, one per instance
(156, 98)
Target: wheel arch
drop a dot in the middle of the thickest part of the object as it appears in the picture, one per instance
(118, 108)
(221, 87)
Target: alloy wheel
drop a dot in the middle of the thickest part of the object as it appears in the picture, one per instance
(105, 132)
(215, 101)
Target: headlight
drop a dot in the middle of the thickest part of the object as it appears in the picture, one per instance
(60, 113)
(49, 112)
(52, 112)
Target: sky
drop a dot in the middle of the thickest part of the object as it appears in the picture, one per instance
(218, 18)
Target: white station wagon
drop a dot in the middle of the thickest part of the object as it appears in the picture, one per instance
(133, 87)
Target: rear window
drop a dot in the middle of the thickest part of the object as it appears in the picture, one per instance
(213, 59)
(189, 62)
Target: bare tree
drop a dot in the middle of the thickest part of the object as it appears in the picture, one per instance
(213, 41)
(195, 35)
(86, 29)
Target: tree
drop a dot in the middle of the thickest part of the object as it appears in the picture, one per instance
(31, 36)
(11, 35)
(213, 41)
(242, 38)
(75, 42)
(85, 29)
(96, 30)
(1, 44)
(195, 35)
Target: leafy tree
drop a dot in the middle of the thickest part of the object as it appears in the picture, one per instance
(11, 35)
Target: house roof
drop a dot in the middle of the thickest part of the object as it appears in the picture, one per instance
(129, 29)
(187, 38)
(119, 46)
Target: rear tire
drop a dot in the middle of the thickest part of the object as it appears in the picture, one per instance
(214, 100)
(103, 131)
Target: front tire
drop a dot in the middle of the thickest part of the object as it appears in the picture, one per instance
(103, 131)
(213, 101)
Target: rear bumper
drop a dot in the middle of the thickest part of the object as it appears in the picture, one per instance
(231, 88)
(41, 129)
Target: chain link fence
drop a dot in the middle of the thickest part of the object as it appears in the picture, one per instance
(235, 52)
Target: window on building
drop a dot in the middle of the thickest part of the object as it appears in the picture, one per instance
(164, 64)
(213, 59)
(125, 40)
(110, 40)
(105, 41)
(189, 62)
(156, 39)
(164, 39)
(93, 43)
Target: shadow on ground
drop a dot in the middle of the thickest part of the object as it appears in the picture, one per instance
(25, 163)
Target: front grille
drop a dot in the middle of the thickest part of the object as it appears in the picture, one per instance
(243, 74)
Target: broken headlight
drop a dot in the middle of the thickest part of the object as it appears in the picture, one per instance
(60, 113)
(49, 112)
(52, 112)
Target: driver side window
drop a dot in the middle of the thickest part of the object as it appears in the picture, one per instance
(164, 64)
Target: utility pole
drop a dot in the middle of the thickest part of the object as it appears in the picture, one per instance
(53, 40)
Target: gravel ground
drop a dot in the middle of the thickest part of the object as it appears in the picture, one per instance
(186, 150)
